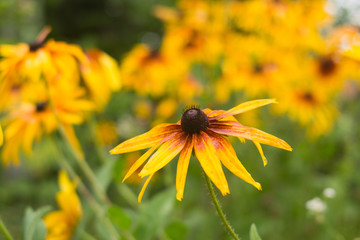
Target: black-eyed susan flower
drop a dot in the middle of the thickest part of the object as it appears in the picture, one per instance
(30, 62)
(60, 224)
(40, 112)
(202, 131)
(101, 74)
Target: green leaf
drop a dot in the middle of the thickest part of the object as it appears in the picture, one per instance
(105, 174)
(34, 227)
(254, 235)
(155, 215)
(118, 217)
(176, 230)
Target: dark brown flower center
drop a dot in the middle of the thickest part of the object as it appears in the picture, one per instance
(327, 66)
(41, 106)
(308, 97)
(194, 120)
(34, 46)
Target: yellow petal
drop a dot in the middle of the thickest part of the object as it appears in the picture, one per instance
(144, 187)
(71, 136)
(259, 148)
(182, 167)
(206, 154)
(28, 137)
(1, 137)
(228, 157)
(246, 106)
(52, 219)
(148, 139)
(164, 154)
(140, 161)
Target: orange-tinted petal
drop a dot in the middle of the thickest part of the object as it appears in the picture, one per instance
(148, 139)
(206, 154)
(164, 154)
(144, 187)
(228, 157)
(246, 106)
(252, 134)
(140, 161)
(182, 167)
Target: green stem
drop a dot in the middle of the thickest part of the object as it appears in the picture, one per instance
(87, 194)
(227, 225)
(85, 168)
(4, 230)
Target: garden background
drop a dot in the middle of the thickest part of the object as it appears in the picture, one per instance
(217, 54)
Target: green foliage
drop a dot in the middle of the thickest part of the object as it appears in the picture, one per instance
(117, 216)
(34, 227)
(254, 235)
(155, 214)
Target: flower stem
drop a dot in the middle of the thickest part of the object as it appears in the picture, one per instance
(4, 230)
(221, 214)
(85, 168)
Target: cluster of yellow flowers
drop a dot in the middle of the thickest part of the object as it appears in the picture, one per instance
(288, 50)
(50, 85)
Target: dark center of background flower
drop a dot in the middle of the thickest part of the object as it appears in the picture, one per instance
(34, 46)
(308, 97)
(258, 68)
(194, 120)
(327, 66)
(41, 106)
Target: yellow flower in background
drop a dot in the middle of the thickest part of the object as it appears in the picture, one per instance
(50, 60)
(314, 109)
(101, 75)
(147, 71)
(61, 224)
(106, 132)
(202, 131)
(39, 113)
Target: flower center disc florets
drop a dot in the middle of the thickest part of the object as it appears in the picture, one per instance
(194, 120)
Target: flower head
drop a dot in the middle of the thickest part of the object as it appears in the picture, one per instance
(61, 223)
(202, 131)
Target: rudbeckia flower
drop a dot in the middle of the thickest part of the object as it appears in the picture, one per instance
(101, 75)
(202, 131)
(37, 115)
(60, 224)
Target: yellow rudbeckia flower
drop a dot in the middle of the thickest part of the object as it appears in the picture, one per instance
(101, 74)
(60, 224)
(38, 114)
(202, 131)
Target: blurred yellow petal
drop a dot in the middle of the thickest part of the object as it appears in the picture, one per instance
(71, 136)
(1, 136)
